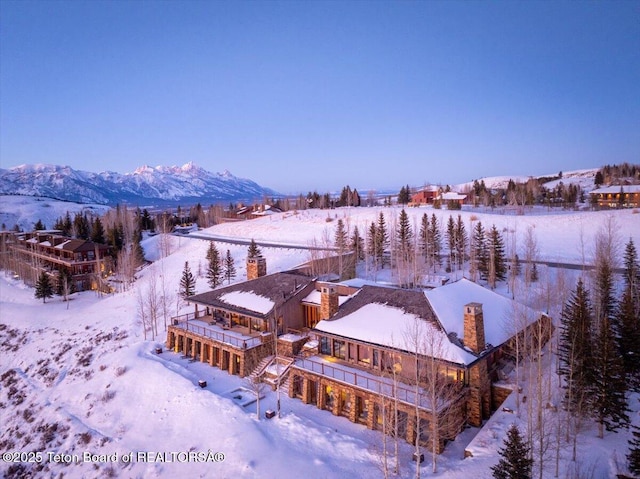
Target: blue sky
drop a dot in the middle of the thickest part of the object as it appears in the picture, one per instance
(316, 95)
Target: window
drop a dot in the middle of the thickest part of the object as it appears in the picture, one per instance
(339, 349)
(352, 352)
(376, 358)
(364, 355)
(325, 347)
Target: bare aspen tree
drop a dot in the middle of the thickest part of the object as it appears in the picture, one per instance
(153, 304)
(530, 255)
(141, 311)
(257, 387)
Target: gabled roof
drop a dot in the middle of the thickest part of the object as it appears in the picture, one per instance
(385, 316)
(615, 189)
(256, 297)
(498, 312)
(452, 196)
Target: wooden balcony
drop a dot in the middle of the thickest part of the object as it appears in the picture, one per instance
(217, 329)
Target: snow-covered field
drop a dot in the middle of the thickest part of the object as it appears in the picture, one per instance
(83, 380)
(25, 211)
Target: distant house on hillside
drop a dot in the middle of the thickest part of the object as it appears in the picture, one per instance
(617, 196)
(340, 345)
(425, 197)
(86, 262)
(452, 198)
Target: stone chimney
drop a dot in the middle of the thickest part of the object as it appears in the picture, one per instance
(256, 267)
(474, 327)
(328, 301)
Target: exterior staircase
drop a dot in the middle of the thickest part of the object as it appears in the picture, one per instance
(259, 370)
(277, 372)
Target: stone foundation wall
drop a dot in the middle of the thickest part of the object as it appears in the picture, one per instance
(236, 361)
(449, 426)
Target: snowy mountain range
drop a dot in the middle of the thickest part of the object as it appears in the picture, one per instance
(146, 185)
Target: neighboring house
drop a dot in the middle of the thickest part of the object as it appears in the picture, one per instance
(452, 197)
(617, 196)
(460, 330)
(354, 348)
(85, 261)
(424, 197)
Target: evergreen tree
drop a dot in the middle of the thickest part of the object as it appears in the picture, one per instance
(229, 268)
(97, 231)
(81, 226)
(435, 238)
(605, 303)
(63, 280)
(627, 328)
(632, 274)
(515, 461)
(115, 238)
(599, 179)
(481, 257)
(423, 237)
(450, 235)
(382, 238)
(340, 241)
(253, 250)
(39, 225)
(372, 236)
(44, 288)
(634, 451)
(496, 251)
(355, 198)
(357, 244)
(404, 235)
(214, 269)
(575, 346)
(607, 389)
(187, 282)
(405, 195)
(146, 222)
(137, 250)
(461, 241)
(67, 225)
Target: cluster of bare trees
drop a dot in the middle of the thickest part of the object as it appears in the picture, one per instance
(153, 300)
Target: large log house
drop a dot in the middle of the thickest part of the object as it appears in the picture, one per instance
(351, 341)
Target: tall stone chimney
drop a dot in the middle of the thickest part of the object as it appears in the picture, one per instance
(256, 267)
(474, 327)
(328, 301)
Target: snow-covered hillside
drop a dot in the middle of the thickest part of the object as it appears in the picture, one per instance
(583, 178)
(80, 378)
(25, 211)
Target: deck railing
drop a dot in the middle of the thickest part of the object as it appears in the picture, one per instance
(403, 392)
(182, 322)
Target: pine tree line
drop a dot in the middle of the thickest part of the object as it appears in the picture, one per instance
(599, 346)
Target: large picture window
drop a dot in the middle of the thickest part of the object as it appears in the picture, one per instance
(339, 349)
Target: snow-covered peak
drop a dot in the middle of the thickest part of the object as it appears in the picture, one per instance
(144, 184)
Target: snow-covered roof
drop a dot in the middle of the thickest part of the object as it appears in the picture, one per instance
(452, 196)
(248, 300)
(391, 326)
(616, 189)
(498, 312)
